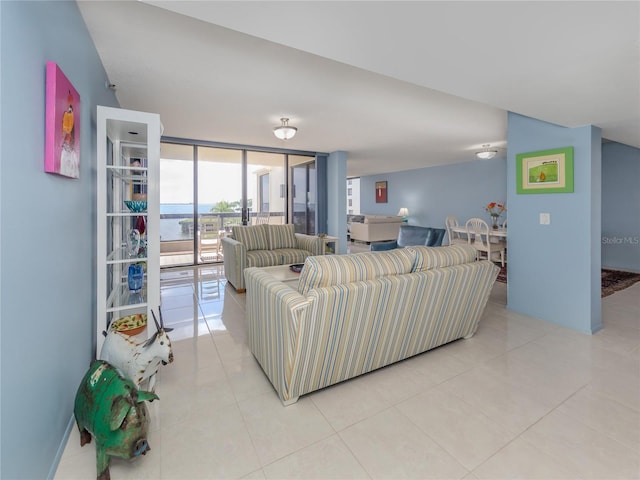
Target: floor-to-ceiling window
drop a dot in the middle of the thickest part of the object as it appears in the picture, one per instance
(207, 188)
(219, 198)
(266, 186)
(176, 204)
(304, 193)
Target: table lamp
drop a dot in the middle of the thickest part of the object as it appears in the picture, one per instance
(404, 213)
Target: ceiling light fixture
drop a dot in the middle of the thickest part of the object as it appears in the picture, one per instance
(285, 131)
(486, 153)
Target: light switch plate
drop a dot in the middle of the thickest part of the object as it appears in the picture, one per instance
(545, 219)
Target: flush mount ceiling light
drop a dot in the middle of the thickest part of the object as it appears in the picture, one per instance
(486, 153)
(285, 131)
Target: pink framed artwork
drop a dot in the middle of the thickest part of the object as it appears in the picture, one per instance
(62, 145)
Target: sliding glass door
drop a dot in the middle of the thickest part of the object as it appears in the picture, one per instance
(176, 204)
(206, 190)
(219, 198)
(235, 187)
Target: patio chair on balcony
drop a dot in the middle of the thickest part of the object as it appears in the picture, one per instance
(209, 233)
(262, 218)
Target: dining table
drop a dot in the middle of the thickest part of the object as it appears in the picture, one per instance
(500, 232)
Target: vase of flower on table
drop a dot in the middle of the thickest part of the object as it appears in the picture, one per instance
(495, 210)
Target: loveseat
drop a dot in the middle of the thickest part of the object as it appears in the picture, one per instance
(265, 246)
(355, 313)
(411, 235)
(375, 228)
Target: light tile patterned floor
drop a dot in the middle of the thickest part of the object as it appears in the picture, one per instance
(521, 399)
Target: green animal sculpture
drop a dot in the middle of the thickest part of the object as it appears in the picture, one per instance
(109, 407)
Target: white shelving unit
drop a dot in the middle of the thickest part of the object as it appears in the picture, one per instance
(124, 138)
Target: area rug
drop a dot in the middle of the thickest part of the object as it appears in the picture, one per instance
(612, 280)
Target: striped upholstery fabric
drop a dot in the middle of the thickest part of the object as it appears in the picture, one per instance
(436, 257)
(359, 327)
(282, 256)
(282, 236)
(283, 306)
(339, 331)
(262, 258)
(237, 257)
(313, 244)
(328, 270)
(253, 237)
(292, 255)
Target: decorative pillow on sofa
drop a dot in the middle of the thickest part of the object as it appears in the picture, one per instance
(435, 257)
(254, 237)
(325, 270)
(282, 236)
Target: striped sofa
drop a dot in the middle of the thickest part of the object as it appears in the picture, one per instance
(265, 246)
(352, 314)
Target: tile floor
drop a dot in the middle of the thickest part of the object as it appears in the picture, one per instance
(521, 399)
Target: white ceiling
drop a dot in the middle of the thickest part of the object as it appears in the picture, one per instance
(398, 85)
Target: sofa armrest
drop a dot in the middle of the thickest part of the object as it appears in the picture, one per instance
(311, 243)
(272, 336)
(235, 260)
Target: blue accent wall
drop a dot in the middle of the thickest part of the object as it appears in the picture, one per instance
(336, 198)
(620, 207)
(47, 236)
(430, 194)
(556, 268)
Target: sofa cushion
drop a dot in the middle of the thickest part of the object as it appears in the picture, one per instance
(435, 257)
(322, 271)
(262, 258)
(253, 237)
(289, 256)
(282, 236)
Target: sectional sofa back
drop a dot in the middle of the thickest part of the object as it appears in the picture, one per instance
(382, 219)
(324, 271)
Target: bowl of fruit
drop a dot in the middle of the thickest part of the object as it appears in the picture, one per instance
(130, 325)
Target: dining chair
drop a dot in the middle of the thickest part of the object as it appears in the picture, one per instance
(501, 241)
(454, 237)
(478, 238)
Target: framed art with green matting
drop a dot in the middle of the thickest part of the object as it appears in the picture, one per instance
(546, 171)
